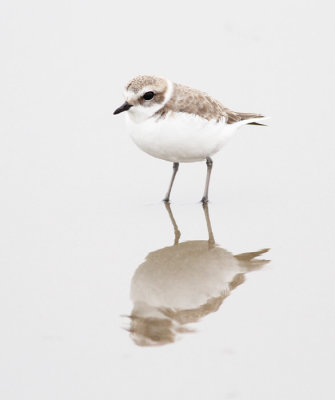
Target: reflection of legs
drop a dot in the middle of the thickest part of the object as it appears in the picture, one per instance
(177, 233)
(175, 169)
(209, 164)
(211, 241)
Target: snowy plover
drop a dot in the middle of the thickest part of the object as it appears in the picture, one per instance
(179, 124)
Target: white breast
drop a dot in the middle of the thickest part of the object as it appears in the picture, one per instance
(179, 137)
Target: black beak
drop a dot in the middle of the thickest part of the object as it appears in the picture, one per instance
(125, 106)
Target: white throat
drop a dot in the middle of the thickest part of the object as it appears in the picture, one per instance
(139, 113)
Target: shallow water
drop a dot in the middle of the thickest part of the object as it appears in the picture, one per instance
(180, 284)
(105, 291)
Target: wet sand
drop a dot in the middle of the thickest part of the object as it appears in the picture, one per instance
(108, 294)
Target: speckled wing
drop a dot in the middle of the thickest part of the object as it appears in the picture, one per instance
(192, 101)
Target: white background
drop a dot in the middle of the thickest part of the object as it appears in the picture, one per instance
(80, 210)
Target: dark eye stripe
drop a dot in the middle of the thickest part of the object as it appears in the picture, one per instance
(148, 95)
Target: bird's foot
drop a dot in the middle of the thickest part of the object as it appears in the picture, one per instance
(204, 200)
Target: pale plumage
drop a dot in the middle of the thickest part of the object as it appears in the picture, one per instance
(179, 137)
(179, 124)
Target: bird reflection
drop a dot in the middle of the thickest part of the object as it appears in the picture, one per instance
(180, 284)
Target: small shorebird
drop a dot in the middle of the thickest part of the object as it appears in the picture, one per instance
(176, 123)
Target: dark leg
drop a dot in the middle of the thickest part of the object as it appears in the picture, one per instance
(175, 169)
(209, 164)
(175, 226)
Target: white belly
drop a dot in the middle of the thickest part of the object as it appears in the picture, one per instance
(180, 137)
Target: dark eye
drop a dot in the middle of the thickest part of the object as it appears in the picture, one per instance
(148, 95)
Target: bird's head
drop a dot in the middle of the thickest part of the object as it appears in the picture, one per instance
(145, 95)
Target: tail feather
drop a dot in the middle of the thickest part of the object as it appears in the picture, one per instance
(256, 123)
(245, 118)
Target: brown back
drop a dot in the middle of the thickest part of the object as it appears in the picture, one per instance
(193, 101)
